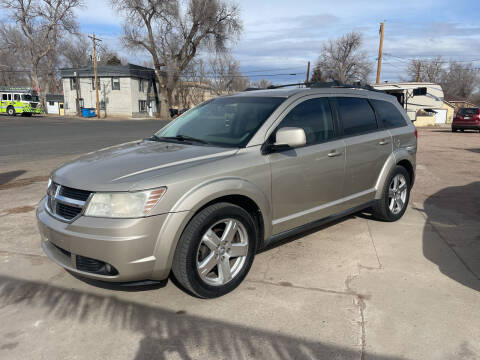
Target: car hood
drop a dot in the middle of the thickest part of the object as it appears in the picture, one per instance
(120, 167)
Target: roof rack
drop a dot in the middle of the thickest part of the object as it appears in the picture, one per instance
(339, 84)
(325, 84)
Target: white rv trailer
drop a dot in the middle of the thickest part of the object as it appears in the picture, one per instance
(403, 91)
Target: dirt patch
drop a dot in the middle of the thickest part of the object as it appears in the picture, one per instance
(20, 210)
(23, 182)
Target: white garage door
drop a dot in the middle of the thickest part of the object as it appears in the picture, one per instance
(440, 116)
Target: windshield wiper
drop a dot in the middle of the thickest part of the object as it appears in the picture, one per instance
(184, 138)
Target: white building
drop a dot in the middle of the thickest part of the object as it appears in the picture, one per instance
(55, 104)
(124, 90)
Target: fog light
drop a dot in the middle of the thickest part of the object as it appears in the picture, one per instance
(108, 268)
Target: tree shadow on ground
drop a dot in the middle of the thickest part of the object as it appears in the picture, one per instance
(166, 333)
(10, 175)
(451, 236)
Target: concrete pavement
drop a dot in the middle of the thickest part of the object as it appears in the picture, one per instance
(355, 289)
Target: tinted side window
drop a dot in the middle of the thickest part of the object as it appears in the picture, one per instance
(388, 113)
(314, 117)
(357, 115)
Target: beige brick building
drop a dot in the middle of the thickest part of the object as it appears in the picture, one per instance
(124, 90)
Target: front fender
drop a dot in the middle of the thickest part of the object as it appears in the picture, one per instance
(188, 205)
(392, 161)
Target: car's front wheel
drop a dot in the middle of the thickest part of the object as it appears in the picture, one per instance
(396, 194)
(215, 251)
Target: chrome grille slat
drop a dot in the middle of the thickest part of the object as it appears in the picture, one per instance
(66, 203)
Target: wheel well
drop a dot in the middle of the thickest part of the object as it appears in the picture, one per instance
(249, 206)
(408, 166)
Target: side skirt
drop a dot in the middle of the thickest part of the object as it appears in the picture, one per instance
(312, 225)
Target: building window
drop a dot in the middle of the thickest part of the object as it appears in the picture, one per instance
(115, 83)
(141, 85)
(73, 83)
(142, 106)
(98, 83)
(51, 103)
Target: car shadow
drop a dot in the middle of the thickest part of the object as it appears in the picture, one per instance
(451, 236)
(164, 333)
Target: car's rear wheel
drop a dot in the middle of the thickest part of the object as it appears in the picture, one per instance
(396, 193)
(215, 251)
(454, 129)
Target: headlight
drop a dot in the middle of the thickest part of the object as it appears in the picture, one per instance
(124, 204)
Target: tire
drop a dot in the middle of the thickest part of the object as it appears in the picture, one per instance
(193, 251)
(383, 210)
(11, 111)
(454, 129)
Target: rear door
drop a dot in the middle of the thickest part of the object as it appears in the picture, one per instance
(368, 146)
(307, 181)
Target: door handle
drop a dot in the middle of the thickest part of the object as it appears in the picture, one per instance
(334, 153)
(383, 142)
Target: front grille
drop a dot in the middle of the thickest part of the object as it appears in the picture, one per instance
(74, 193)
(94, 266)
(66, 211)
(66, 203)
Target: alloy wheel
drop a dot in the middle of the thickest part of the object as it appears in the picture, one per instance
(222, 252)
(397, 194)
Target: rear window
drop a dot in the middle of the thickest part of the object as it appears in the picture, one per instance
(357, 115)
(388, 114)
(468, 111)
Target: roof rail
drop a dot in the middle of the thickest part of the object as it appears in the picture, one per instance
(324, 84)
(285, 85)
(339, 84)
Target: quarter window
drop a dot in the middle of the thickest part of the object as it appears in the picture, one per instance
(388, 114)
(115, 83)
(357, 115)
(314, 117)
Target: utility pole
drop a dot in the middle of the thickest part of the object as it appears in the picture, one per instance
(380, 51)
(76, 88)
(308, 74)
(94, 40)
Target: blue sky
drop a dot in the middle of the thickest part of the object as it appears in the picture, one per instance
(281, 34)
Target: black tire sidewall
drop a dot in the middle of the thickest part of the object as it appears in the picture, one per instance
(196, 232)
(397, 170)
(10, 111)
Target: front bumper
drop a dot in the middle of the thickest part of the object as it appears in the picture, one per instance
(126, 244)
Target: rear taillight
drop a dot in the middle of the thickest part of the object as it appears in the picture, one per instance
(416, 133)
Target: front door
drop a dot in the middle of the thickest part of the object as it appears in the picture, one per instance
(307, 181)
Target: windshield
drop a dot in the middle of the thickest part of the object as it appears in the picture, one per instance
(27, 97)
(228, 121)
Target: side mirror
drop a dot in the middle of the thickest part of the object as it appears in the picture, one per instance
(290, 136)
(286, 138)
